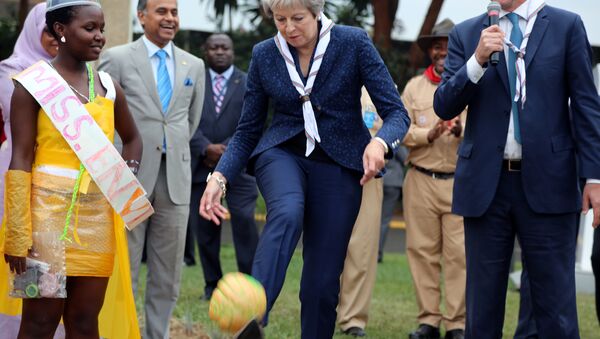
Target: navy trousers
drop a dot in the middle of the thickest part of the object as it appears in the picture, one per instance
(526, 328)
(320, 200)
(548, 245)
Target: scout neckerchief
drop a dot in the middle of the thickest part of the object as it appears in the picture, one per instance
(431, 75)
(534, 6)
(310, 122)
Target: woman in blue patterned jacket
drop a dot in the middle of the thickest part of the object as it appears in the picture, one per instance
(311, 163)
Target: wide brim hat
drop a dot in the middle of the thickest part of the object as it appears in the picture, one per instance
(52, 5)
(441, 30)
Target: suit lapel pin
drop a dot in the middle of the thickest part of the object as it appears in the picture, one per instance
(188, 82)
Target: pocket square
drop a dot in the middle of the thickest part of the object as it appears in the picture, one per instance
(188, 82)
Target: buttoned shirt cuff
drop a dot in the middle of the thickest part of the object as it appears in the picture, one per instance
(474, 70)
(381, 141)
(592, 181)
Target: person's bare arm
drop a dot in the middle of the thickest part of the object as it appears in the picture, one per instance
(23, 121)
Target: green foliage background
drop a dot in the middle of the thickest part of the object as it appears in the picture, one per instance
(8, 36)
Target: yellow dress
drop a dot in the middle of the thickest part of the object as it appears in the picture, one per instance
(90, 251)
(97, 234)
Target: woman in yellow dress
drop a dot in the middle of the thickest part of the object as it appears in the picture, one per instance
(54, 212)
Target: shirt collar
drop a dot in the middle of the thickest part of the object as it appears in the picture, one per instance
(227, 74)
(152, 48)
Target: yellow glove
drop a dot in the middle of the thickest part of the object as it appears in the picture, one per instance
(18, 239)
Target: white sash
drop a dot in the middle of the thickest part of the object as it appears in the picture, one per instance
(97, 154)
(533, 8)
(310, 122)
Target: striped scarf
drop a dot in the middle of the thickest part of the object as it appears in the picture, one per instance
(520, 89)
(310, 122)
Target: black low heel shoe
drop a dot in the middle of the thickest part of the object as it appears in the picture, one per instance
(252, 330)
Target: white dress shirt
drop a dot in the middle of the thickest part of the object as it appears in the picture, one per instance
(512, 149)
(154, 59)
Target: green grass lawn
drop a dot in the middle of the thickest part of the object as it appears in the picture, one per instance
(393, 308)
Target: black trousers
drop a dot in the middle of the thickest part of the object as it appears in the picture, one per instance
(241, 202)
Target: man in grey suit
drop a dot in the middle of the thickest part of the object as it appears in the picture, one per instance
(223, 99)
(164, 87)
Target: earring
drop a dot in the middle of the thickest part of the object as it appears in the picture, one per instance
(62, 39)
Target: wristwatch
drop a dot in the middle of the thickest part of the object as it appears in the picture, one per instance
(220, 181)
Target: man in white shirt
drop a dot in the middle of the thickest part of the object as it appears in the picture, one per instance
(164, 87)
(516, 173)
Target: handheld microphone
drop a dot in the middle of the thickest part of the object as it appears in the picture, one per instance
(493, 10)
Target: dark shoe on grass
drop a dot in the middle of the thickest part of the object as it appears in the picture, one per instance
(455, 334)
(425, 332)
(252, 330)
(355, 332)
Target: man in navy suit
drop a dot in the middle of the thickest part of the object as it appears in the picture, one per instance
(222, 108)
(516, 172)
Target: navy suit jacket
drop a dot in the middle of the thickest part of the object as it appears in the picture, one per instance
(215, 129)
(559, 67)
(350, 62)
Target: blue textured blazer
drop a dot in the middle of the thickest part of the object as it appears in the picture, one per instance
(350, 62)
(558, 65)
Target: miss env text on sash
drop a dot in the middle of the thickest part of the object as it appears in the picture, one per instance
(97, 154)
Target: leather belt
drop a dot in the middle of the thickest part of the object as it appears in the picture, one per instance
(512, 165)
(435, 175)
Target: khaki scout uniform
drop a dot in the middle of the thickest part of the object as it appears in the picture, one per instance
(360, 267)
(433, 234)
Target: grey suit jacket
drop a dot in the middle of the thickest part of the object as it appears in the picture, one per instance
(130, 66)
(217, 129)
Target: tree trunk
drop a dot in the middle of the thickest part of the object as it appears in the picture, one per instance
(23, 10)
(384, 12)
(416, 54)
(117, 14)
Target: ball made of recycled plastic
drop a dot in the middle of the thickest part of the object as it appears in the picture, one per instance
(237, 300)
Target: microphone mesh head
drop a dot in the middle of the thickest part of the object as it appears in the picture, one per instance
(494, 6)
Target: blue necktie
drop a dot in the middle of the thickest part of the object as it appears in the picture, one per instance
(163, 81)
(163, 85)
(516, 37)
